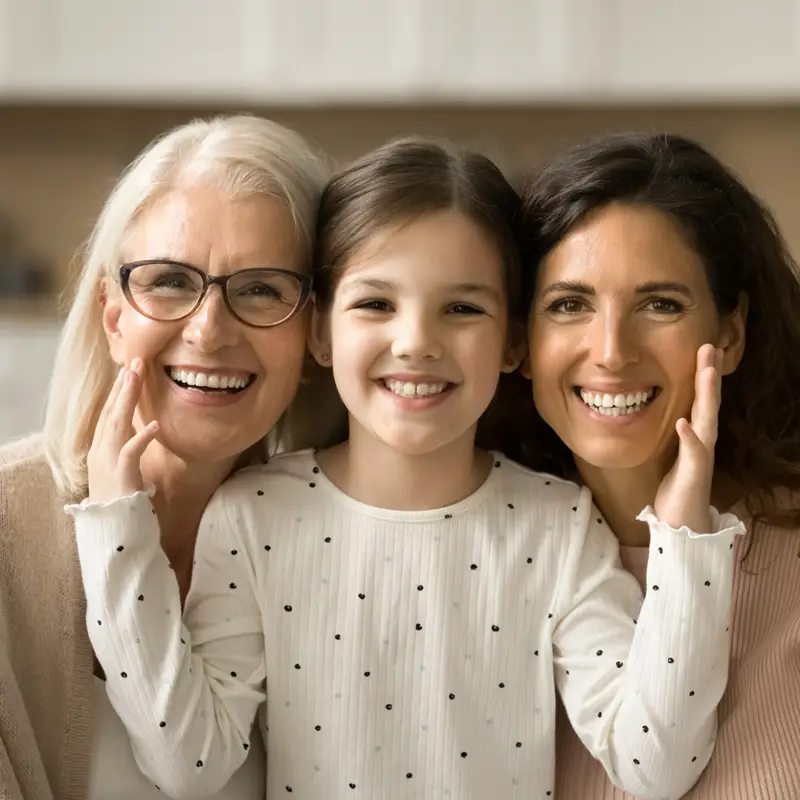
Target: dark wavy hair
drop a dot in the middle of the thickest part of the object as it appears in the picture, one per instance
(743, 252)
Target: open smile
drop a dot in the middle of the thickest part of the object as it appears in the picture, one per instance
(619, 404)
(404, 388)
(211, 382)
(416, 396)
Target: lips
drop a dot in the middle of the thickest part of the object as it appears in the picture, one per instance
(209, 380)
(405, 388)
(616, 404)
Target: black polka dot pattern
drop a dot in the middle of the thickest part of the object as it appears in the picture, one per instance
(428, 586)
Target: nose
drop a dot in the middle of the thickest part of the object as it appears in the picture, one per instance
(212, 326)
(415, 338)
(614, 344)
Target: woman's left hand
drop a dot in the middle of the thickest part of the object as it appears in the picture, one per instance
(684, 496)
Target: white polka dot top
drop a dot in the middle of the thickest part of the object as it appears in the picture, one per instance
(409, 654)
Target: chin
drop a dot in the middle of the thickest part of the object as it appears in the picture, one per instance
(412, 446)
(199, 446)
(613, 456)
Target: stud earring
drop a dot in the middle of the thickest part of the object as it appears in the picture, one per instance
(325, 357)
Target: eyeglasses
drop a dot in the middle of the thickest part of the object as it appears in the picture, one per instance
(168, 291)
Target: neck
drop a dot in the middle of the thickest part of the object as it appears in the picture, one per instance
(183, 490)
(621, 494)
(373, 473)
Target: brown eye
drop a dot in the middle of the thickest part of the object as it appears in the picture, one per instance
(567, 305)
(665, 305)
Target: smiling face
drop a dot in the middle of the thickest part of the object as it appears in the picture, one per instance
(417, 333)
(209, 349)
(622, 306)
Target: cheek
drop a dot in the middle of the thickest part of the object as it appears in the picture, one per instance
(551, 356)
(282, 349)
(138, 336)
(355, 341)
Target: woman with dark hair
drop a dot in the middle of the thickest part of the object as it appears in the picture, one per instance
(644, 248)
(381, 587)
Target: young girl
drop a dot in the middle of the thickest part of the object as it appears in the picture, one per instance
(410, 599)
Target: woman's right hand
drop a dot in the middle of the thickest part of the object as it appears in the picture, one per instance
(114, 458)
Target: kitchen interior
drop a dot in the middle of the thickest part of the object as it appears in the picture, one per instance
(85, 84)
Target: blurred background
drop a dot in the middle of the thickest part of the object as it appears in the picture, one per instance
(85, 84)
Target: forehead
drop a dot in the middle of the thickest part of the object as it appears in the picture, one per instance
(442, 247)
(204, 227)
(621, 246)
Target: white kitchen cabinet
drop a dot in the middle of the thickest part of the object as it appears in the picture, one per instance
(298, 52)
(139, 50)
(738, 50)
(354, 50)
(525, 50)
(308, 52)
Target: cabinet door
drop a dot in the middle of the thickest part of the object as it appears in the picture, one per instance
(353, 50)
(516, 49)
(140, 49)
(705, 49)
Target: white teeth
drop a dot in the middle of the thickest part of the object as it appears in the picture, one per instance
(615, 405)
(207, 379)
(408, 389)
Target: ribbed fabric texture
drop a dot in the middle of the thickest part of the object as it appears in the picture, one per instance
(45, 653)
(757, 756)
(407, 654)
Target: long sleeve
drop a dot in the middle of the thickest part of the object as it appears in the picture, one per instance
(188, 704)
(641, 682)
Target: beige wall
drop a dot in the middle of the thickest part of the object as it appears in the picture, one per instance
(56, 165)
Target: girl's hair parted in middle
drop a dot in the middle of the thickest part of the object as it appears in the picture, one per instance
(402, 181)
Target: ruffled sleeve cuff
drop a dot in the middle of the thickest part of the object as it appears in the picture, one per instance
(129, 501)
(726, 524)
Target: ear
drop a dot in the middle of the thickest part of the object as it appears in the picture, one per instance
(319, 340)
(733, 335)
(515, 353)
(111, 311)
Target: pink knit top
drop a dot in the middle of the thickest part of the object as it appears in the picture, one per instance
(757, 755)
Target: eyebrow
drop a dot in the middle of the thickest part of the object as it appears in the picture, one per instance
(460, 288)
(651, 287)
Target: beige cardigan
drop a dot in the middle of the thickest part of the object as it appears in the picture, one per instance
(45, 654)
(46, 660)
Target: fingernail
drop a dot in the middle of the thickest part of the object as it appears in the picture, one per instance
(136, 364)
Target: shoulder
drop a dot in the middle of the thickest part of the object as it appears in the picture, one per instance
(32, 518)
(22, 454)
(26, 481)
(280, 475)
(539, 488)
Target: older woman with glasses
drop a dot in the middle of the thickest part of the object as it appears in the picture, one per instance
(197, 274)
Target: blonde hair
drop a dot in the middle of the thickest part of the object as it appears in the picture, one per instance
(239, 155)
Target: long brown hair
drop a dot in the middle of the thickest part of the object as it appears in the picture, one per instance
(742, 251)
